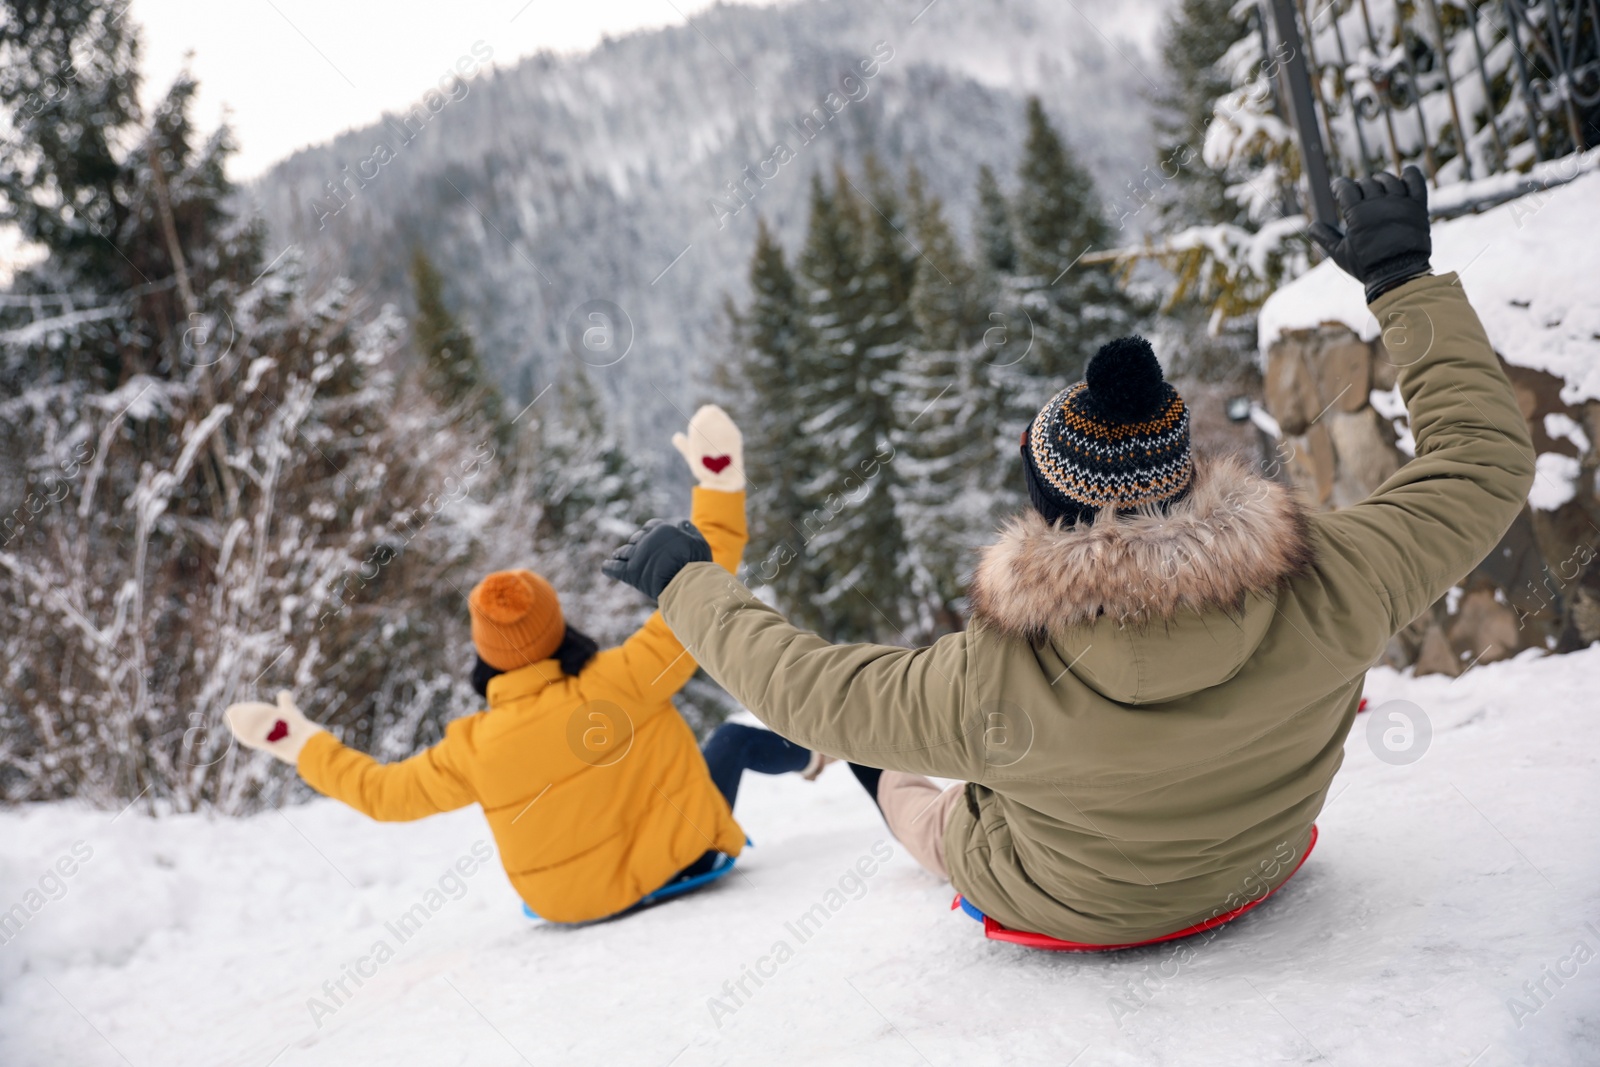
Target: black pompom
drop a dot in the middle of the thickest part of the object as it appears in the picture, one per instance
(1125, 380)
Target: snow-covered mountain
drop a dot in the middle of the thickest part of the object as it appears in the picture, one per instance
(633, 174)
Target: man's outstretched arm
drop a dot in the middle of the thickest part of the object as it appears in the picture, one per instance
(895, 708)
(1422, 530)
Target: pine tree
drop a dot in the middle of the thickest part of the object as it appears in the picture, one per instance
(592, 491)
(448, 350)
(109, 220)
(69, 82)
(1002, 383)
(889, 271)
(1196, 37)
(772, 340)
(828, 273)
(945, 443)
(997, 243)
(856, 286)
(1075, 307)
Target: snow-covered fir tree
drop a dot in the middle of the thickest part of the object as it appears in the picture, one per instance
(946, 443)
(772, 340)
(449, 352)
(853, 288)
(1179, 190)
(888, 271)
(997, 241)
(1054, 310)
(1075, 307)
(1180, 187)
(890, 373)
(583, 477)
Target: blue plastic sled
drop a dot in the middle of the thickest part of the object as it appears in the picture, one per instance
(720, 869)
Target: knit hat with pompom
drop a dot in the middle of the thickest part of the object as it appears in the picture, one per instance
(1118, 439)
(516, 619)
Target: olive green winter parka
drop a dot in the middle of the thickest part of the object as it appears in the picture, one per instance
(1150, 709)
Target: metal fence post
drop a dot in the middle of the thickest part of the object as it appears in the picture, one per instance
(1313, 154)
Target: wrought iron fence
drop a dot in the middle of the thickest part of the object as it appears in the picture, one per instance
(1467, 90)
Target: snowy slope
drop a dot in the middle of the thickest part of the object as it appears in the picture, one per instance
(1532, 284)
(1438, 889)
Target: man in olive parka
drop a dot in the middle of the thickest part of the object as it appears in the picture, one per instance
(1166, 653)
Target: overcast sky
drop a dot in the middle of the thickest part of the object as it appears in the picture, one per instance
(295, 72)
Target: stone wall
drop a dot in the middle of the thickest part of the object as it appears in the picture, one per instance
(1344, 431)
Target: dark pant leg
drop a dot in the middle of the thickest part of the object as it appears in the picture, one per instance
(736, 748)
(868, 777)
(700, 866)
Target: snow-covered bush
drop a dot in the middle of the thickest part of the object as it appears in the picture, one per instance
(221, 480)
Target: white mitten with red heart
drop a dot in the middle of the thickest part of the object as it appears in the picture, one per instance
(714, 450)
(276, 728)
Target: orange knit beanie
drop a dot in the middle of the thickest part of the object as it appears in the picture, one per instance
(516, 619)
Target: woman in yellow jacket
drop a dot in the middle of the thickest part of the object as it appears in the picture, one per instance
(592, 783)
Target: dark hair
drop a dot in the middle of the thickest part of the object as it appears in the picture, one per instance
(573, 653)
(481, 673)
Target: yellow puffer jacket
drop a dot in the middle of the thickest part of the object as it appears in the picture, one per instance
(593, 785)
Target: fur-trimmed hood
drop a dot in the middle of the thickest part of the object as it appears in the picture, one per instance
(1236, 533)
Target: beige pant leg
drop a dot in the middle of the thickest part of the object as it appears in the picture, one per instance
(917, 812)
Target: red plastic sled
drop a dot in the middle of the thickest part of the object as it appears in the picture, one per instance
(996, 932)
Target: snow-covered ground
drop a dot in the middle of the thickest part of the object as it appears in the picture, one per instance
(1450, 915)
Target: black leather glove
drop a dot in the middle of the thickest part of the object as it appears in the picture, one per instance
(1385, 242)
(654, 556)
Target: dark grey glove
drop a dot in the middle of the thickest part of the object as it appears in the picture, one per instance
(654, 556)
(1385, 242)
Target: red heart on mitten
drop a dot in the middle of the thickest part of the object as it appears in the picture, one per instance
(716, 464)
(279, 731)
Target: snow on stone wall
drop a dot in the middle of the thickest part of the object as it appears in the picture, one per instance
(1531, 268)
